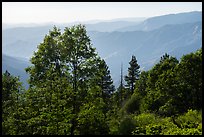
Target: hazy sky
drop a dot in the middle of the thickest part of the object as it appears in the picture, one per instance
(61, 12)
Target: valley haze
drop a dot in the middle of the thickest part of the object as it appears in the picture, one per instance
(115, 41)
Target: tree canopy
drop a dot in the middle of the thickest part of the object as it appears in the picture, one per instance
(71, 92)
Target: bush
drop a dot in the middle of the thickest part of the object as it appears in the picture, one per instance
(185, 131)
(141, 121)
(91, 121)
(127, 125)
(153, 129)
(187, 124)
(151, 124)
(190, 120)
(133, 104)
(113, 126)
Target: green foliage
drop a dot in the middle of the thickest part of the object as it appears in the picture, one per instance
(189, 75)
(153, 129)
(160, 80)
(67, 81)
(11, 104)
(114, 126)
(145, 119)
(91, 119)
(141, 84)
(150, 124)
(126, 126)
(172, 87)
(106, 84)
(147, 123)
(120, 96)
(191, 131)
(113, 119)
(133, 74)
(133, 104)
(191, 119)
(71, 92)
(188, 124)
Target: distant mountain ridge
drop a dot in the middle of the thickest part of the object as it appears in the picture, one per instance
(147, 46)
(176, 37)
(159, 21)
(32, 36)
(16, 67)
(89, 22)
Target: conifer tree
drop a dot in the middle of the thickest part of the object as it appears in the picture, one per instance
(106, 81)
(133, 74)
(11, 89)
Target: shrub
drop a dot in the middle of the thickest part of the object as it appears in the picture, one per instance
(141, 121)
(127, 125)
(133, 104)
(190, 120)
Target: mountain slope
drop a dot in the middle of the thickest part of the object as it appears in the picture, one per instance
(22, 41)
(148, 47)
(159, 21)
(118, 47)
(110, 26)
(15, 67)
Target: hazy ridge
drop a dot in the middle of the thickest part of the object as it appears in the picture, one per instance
(115, 41)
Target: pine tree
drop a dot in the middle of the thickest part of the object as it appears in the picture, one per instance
(106, 82)
(133, 74)
(11, 98)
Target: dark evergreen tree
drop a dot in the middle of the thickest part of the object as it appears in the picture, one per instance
(133, 74)
(11, 99)
(106, 84)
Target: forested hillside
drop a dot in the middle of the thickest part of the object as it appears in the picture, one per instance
(71, 92)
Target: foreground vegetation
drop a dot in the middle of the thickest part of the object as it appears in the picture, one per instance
(71, 92)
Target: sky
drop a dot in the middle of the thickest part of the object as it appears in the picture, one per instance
(66, 12)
